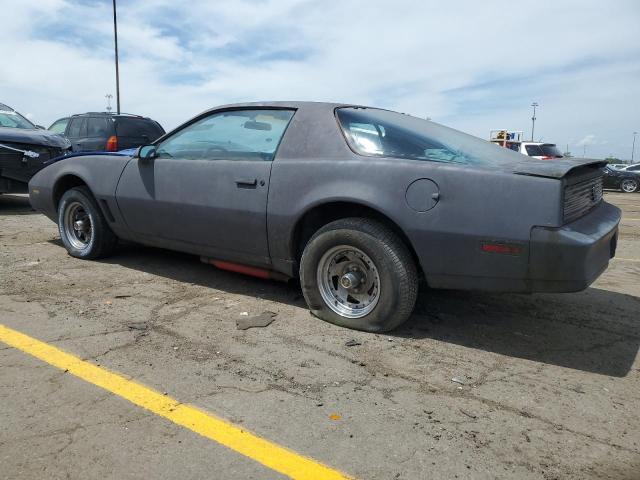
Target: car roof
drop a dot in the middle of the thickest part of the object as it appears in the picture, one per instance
(288, 104)
(292, 104)
(109, 114)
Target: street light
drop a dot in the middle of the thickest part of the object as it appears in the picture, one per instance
(633, 146)
(533, 118)
(115, 38)
(108, 96)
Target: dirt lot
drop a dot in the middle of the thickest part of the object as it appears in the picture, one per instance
(547, 386)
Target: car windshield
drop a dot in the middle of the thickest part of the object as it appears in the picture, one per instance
(382, 133)
(59, 126)
(544, 150)
(12, 119)
(551, 150)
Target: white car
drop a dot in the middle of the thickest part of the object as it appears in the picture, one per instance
(513, 141)
(634, 167)
(542, 151)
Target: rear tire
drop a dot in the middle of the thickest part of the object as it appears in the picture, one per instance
(83, 229)
(629, 185)
(357, 273)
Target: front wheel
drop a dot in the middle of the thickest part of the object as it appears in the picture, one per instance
(357, 273)
(83, 229)
(629, 185)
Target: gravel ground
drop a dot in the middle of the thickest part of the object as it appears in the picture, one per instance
(546, 386)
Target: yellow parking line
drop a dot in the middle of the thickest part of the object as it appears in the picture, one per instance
(248, 444)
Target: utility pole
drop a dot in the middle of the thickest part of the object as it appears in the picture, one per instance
(533, 118)
(108, 96)
(633, 146)
(115, 37)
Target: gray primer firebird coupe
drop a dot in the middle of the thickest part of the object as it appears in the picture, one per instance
(358, 202)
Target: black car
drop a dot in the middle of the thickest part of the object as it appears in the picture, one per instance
(627, 180)
(24, 149)
(100, 131)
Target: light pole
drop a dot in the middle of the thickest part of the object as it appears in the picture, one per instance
(533, 118)
(633, 146)
(115, 37)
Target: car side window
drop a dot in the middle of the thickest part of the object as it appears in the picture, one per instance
(634, 169)
(97, 127)
(230, 135)
(60, 126)
(78, 127)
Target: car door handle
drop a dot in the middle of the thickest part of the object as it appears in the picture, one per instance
(246, 182)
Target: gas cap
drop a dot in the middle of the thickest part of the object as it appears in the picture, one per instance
(422, 194)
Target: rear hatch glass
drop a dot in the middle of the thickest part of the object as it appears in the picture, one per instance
(138, 128)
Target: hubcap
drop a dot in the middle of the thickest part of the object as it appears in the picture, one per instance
(629, 186)
(349, 281)
(77, 225)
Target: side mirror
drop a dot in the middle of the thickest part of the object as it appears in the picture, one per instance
(146, 153)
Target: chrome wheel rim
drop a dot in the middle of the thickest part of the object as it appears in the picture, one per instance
(349, 281)
(77, 225)
(629, 186)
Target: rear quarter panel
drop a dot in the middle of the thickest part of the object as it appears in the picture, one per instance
(474, 206)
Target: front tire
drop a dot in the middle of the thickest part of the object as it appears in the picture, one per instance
(83, 229)
(629, 185)
(357, 273)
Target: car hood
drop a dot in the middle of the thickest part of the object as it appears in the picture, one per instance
(553, 168)
(33, 137)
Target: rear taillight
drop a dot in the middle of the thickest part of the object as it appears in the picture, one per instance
(547, 157)
(112, 144)
(505, 248)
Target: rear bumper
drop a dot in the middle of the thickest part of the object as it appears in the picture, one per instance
(565, 259)
(570, 258)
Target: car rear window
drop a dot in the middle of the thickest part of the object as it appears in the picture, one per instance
(138, 127)
(381, 133)
(98, 127)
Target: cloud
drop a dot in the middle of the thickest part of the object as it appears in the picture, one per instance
(473, 65)
(587, 140)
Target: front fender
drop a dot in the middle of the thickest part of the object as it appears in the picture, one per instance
(100, 173)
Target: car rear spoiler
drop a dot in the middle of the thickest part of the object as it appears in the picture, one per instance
(556, 168)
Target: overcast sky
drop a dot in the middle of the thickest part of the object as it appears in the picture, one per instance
(473, 65)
